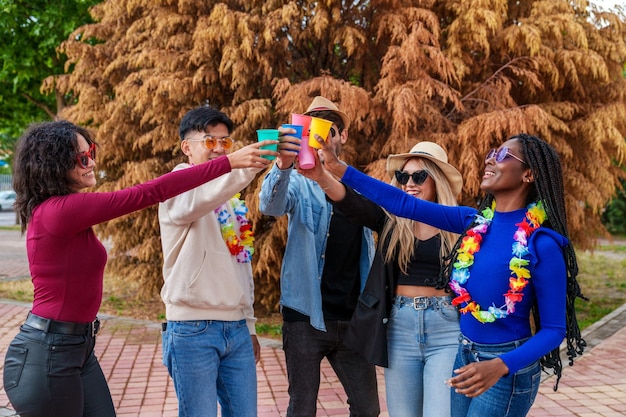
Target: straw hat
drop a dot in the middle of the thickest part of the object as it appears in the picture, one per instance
(432, 152)
(320, 103)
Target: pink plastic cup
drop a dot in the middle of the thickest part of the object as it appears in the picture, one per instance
(306, 158)
(302, 120)
(320, 127)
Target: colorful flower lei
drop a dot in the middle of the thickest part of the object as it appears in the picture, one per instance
(241, 247)
(520, 275)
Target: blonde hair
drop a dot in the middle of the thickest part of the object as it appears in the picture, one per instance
(399, 231)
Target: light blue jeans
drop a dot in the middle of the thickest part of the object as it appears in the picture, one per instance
(422, 340)
(211, 361)
(511, 396)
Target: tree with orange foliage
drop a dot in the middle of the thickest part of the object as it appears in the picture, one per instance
(465, 74)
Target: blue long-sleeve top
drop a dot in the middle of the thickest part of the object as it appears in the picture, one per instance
(489, 275)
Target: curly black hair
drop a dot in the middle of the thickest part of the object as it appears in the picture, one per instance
(548, 187)
(44, 155)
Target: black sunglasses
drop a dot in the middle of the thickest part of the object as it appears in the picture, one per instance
(418, 177)
(334, 132)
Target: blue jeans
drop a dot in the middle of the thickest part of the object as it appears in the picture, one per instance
(211, 361)
(511, 396)
(305, 347)
(422, 340)
(53, 374)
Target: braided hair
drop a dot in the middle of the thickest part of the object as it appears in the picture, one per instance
(548, 187)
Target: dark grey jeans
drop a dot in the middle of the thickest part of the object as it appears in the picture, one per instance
(305, 347)
(55, 375)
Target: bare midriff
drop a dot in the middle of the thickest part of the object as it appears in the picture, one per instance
(419, 291)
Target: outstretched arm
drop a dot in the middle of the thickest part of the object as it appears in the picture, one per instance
(396, 201)
(333, 188)
(251, 156)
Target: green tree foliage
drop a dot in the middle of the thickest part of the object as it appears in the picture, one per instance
(614, 217)
(464, 73)
(30, 33)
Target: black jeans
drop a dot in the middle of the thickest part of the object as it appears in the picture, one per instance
(305, 347)
(55, 375)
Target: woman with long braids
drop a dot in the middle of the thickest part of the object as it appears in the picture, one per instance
(512, 260)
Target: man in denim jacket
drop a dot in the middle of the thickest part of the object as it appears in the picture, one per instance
(325, 265)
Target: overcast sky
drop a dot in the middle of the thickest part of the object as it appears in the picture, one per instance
(607, 4)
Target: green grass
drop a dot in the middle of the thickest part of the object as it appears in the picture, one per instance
(15, 227)
(272, 330)
(116, 303)
(613, 248)
(603, 281)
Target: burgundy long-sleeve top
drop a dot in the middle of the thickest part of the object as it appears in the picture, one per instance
(65, 257)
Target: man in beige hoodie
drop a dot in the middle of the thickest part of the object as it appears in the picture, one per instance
(209, 341)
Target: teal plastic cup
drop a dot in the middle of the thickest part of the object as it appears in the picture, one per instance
(268, 134)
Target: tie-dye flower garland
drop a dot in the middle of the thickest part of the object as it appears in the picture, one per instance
(241, 247)
(520, 275)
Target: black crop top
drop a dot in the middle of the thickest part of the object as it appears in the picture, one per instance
(424, 266)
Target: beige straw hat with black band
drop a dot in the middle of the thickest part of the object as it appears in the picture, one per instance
(320, 103)
(432, 152)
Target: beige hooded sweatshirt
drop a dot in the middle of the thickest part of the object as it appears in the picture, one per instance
(202, 280)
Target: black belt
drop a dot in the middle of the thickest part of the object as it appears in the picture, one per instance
(62, 327)
(423, 303)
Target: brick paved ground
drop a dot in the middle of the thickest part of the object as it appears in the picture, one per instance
(130, 354)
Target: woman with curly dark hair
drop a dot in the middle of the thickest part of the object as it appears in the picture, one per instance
(50, 368)
(513, 260)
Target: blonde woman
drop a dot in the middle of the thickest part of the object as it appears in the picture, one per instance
(405, 320)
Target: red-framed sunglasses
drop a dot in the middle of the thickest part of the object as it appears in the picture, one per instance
(83, 157)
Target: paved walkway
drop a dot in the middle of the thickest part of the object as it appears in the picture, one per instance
(130, 354)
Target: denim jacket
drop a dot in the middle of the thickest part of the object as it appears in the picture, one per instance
(303, 200)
